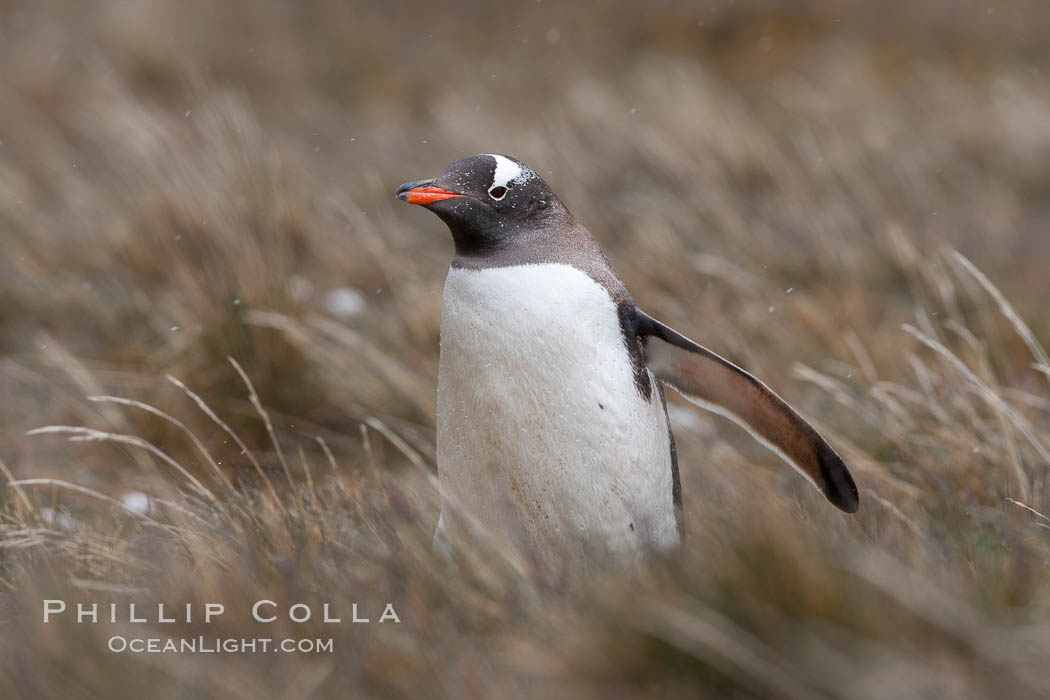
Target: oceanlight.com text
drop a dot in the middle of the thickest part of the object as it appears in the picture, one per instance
(214, 645)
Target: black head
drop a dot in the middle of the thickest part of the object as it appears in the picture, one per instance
(488, 201)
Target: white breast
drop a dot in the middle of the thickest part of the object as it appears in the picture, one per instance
(542, 434)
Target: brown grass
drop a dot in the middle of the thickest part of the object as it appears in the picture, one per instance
(847, 199)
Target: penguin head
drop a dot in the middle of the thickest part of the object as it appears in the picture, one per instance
(487, 201)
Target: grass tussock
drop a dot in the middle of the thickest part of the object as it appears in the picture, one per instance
(218, 341)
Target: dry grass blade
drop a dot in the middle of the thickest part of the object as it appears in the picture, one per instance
(18, 489)
(219, 474)
(396, 440)
(714, 638)
(787, 182)
(727, 271)
(985, 392)
(896, 512)
(952, 615)
(1006, 309)
(105, 587)
(229, 431)
(336, 474)
(86, 491)
(257, 403)
(404, 381)
(310, 488)
(864, 361)
(1030, 509)
(334, 344)
(923, 376)
(91, 435)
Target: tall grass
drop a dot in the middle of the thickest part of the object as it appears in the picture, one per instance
(218, 341)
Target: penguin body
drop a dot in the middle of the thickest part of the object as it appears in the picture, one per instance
(541, 428)
(552, 431)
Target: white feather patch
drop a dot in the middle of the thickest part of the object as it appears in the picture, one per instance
(541, 431)
(507, 171)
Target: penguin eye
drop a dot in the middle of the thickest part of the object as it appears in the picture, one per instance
(498, 193)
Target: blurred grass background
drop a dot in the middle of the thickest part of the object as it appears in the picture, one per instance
(847, 198)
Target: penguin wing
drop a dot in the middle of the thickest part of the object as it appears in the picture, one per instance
(716, 384)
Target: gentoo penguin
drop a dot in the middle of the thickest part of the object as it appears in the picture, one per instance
(551, 424)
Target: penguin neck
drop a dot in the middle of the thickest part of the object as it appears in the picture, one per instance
(502, 243)
(561, 242)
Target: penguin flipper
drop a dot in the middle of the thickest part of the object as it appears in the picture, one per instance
(717, 385)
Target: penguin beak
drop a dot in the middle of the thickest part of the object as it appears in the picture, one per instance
(423, 192)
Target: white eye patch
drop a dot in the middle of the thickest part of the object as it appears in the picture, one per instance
(507, 171)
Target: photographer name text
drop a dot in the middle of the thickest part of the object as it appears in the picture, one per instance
(264, 611)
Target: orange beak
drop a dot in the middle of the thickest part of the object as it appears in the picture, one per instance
(423, 192)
